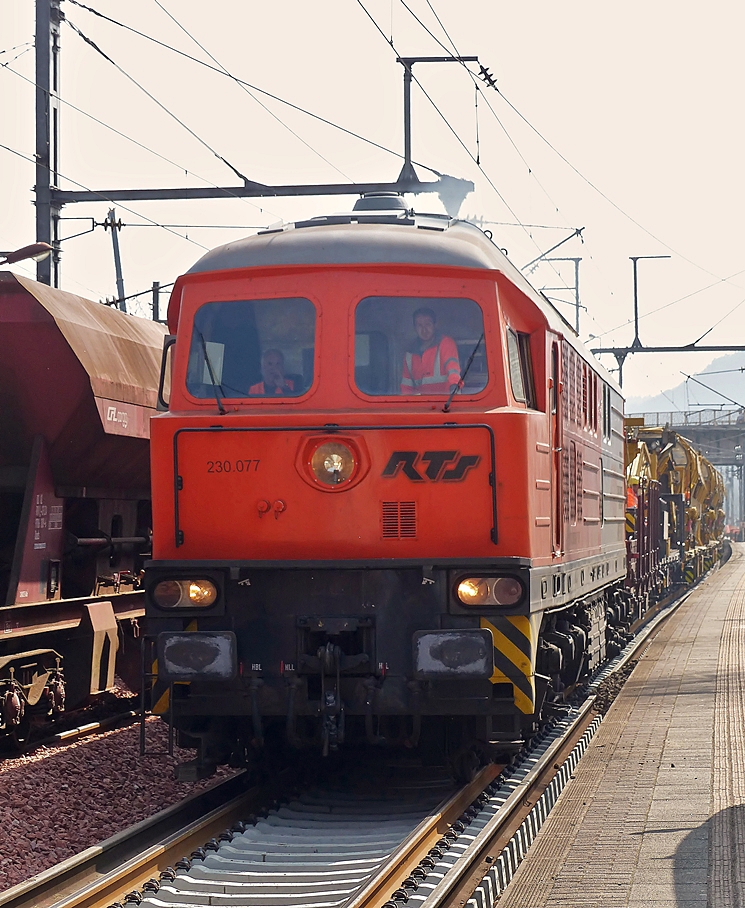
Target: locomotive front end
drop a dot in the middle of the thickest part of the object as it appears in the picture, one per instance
(345, 489)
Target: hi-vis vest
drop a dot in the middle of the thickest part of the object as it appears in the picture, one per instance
(434, 371)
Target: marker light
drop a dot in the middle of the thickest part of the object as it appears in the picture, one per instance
(490, 591)
(185, 593)
(332, 463)
(507, 591)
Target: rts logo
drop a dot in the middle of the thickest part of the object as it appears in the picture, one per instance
(448, 466)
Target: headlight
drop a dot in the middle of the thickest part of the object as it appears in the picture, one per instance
(184, 593)
(473, 592)
(490, 591)
(332, 463)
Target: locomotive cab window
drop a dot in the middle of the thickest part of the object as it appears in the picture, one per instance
(252, 349)
(419, 346)
(521, 368)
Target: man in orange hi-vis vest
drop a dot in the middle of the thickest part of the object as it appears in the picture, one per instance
(274, 383)
(431, 364)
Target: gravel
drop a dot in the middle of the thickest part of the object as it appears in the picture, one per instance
(611, 687)
(58, 801)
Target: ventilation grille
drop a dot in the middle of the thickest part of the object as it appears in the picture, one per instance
(399, 520)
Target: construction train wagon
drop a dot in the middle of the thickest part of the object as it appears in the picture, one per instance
(78, 384)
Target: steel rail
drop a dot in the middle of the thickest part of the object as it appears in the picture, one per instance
(415, 846)
(502, 826)
(100, 875)
(458, 885)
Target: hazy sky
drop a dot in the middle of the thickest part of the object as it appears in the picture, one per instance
(642, 103)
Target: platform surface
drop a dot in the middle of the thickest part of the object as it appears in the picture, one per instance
(655, 815)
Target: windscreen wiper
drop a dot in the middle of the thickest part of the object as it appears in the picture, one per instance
(221, 410)
(459, 384)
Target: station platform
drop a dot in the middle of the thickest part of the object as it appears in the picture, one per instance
(655, 815)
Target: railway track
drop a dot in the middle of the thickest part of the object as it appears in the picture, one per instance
(386, 835)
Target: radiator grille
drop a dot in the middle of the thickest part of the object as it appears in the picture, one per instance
(399, 520)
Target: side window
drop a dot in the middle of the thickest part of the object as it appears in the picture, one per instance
(554, 377)
(419, 346)
(606, 413)
(521, 367)
(252, 348)
(516, 372)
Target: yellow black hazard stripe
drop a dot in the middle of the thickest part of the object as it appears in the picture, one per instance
(630, 522)
(515, 643)
(161, 691)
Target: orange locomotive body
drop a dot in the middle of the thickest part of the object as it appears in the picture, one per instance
(349, 543)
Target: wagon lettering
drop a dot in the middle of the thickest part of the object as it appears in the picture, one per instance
(445, 466)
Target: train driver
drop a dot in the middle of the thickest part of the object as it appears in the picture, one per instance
(431, 363)
(274, 383)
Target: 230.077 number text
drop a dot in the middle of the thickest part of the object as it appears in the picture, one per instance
(232, 466)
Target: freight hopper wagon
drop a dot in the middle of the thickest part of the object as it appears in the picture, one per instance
(675, 513)
(78, 383)
(389, 495)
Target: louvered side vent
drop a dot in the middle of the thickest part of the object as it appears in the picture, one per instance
(407, 519)
(399, 520)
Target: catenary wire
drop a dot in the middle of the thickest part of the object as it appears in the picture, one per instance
(134, 141)
(479, 221)
(26, 48)
(32, 160)
(131, 296)
(727, 315)
(156, 101)
(261, 91)
(475, 80)
(600, 192)
(442, 116)
(250, 93)
(721, 371)
(713, 390)
(198, 226)
(9, 50)
(680, 299)
(455, 134)
(558, 153)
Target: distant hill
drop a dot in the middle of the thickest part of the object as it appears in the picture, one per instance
(731, 384)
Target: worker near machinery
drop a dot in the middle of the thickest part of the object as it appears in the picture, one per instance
(274, 383)
(431, 364)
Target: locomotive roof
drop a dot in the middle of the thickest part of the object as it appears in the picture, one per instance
(360, 239)
(430, 241)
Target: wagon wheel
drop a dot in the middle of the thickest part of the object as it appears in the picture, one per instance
(20, 734)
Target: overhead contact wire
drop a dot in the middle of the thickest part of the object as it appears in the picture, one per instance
(443, 117)
(721, 280)
(557, 152)
(453, 131)
(134, 141)
(261, 91)
(103, 197)
(251, 94)
(603, 195)
(156, 101)
(475, 80)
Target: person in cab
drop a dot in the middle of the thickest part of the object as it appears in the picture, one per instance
(431, 364)
(274, 383)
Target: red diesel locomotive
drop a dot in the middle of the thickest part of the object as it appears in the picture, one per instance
(388, 493)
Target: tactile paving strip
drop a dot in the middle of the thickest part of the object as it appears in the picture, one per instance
(727, 838)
